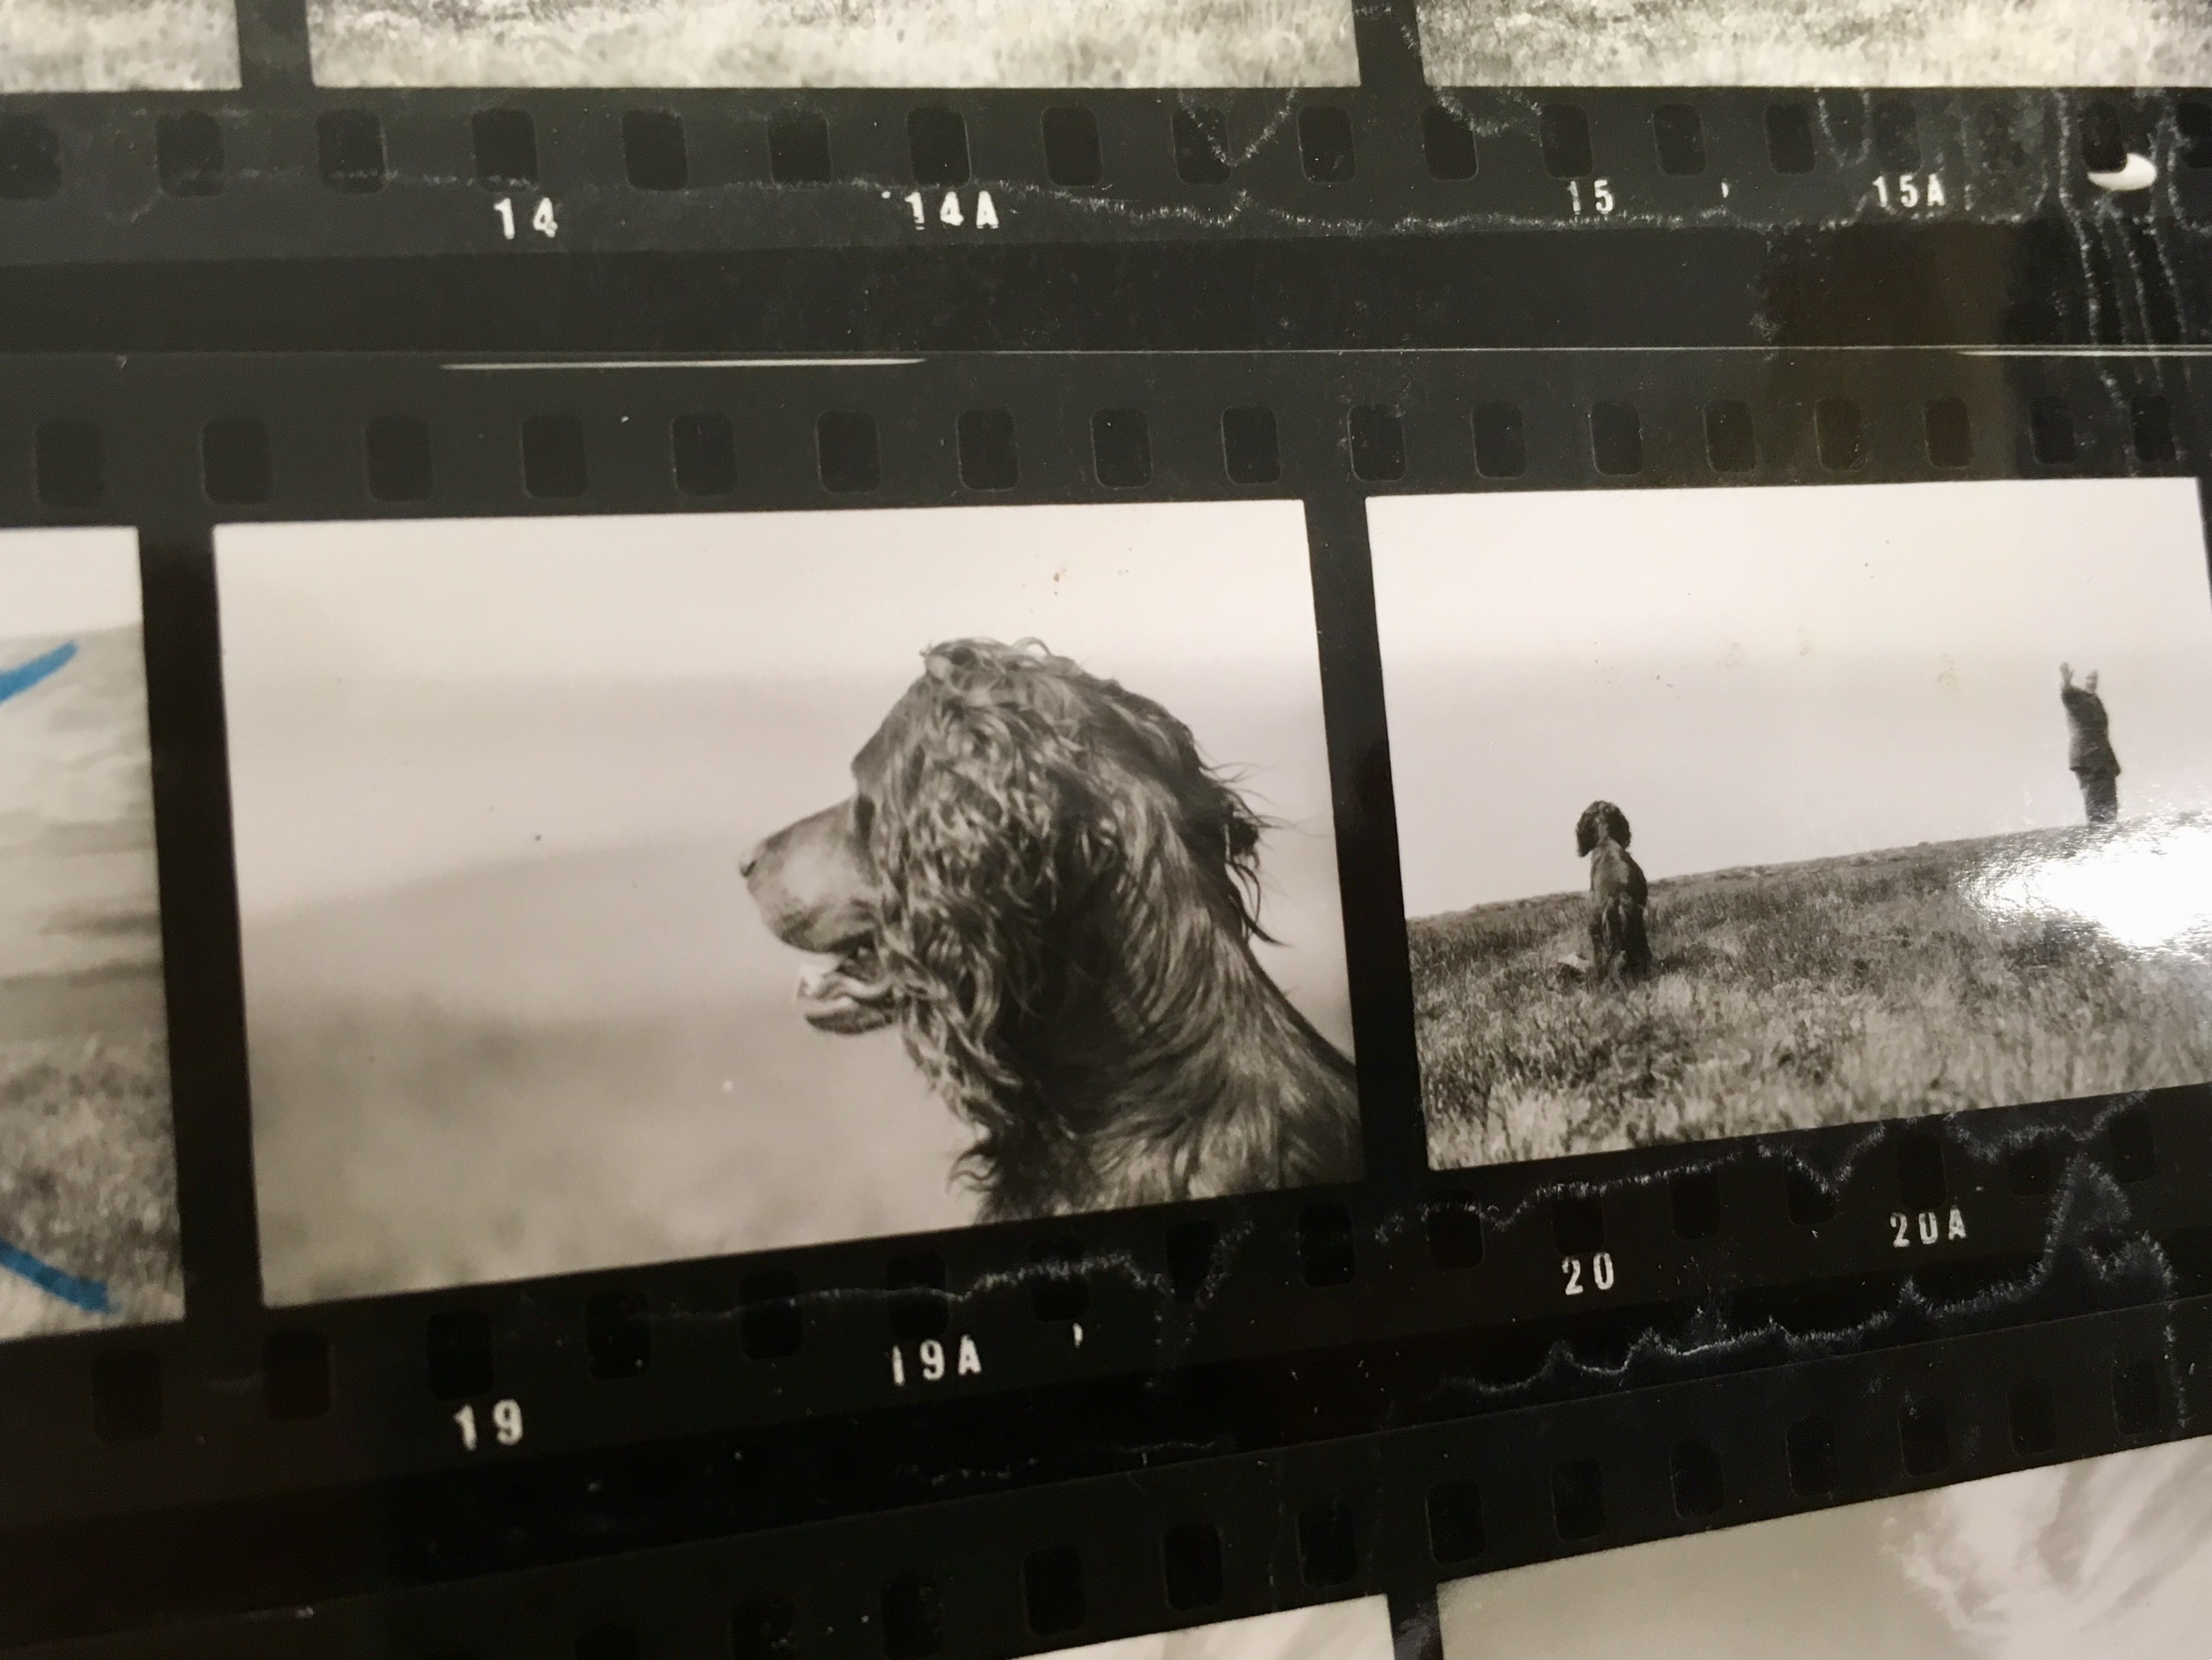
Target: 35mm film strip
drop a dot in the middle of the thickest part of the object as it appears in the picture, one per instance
(522, 1215)
(158, 131)
(1452, 1538)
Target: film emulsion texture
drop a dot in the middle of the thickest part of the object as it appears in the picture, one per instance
(117, 45)
(619, 890)
(87, 1155)
(1751, 810)
(832, 43)
(1334, 1631)
(1845, 43)
(2109, 1556)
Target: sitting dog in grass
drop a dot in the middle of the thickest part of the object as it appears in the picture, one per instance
(1621, 950)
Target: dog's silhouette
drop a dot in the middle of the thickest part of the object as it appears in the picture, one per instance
(1620, 948)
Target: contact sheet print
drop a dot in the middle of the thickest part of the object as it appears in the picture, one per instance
(1874, 798)
(654, 1092)
(119, 46)
(1863, 44)
(2108, 1551)
(867, 830)
(92, 1174)
(660, 921)
(625, 43)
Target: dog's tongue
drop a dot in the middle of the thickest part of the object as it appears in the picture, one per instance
(844, 997)
(824, 985)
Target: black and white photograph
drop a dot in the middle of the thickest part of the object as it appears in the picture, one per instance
(832, 43)
(1850, 43)
(621, 891)
(117, 45)
(2107, 1556)
(1740, 811)
(1357, 1630)
(87, 1150)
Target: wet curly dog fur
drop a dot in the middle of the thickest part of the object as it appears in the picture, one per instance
(1039, 879)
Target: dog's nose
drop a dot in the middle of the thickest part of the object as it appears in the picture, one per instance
(745, 865)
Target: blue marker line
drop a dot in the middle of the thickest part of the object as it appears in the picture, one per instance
(29, 674)
(90, 1295)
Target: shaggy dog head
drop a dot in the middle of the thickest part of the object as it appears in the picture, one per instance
(1034, 871)
(1602, 821)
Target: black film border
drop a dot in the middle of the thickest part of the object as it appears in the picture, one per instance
(1257, 1319)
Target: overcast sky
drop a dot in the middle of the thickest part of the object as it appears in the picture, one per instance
(1763, 675)
(412, 698)
(778, 596)
(67, 582)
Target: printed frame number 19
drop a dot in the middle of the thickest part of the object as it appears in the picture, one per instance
(506, 1424)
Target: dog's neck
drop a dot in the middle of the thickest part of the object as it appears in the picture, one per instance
(1163, 1064)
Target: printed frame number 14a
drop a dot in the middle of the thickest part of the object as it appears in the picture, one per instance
(950, 213)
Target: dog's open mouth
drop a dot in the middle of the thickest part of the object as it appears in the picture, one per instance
(851, 995)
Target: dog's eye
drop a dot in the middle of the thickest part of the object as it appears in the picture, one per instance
(863, 816)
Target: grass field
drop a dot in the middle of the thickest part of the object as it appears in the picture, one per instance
(832, 43)
(1830, 992)
(1889, 42)
(89, 1185)
(116, 45)
(87, 1174)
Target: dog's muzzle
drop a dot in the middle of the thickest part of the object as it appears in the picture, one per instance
(853, 994)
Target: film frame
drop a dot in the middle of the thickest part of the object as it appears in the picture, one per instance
(1392, 1514)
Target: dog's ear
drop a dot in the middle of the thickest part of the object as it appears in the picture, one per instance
(1593, 827)
(972, 801)
(2066, 677)
(2089, 682)
(1013, 790)
(1215, 824)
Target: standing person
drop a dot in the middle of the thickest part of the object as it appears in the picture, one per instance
(2089, 746)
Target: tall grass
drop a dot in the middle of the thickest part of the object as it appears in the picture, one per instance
(845, 43)
(88, 1181)
(1830, 992)
(117, 45)
(1891, 43)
